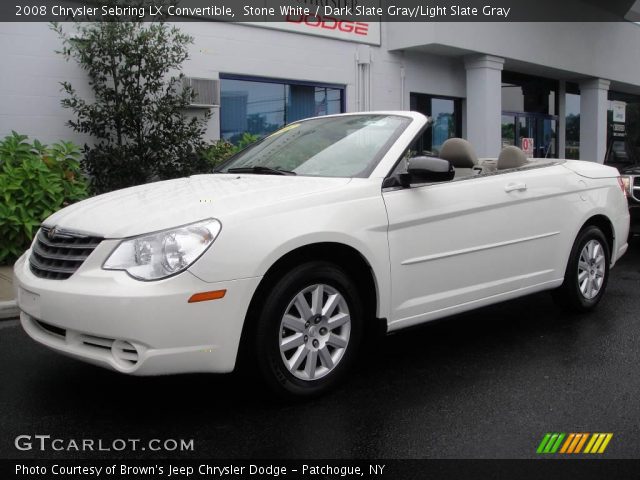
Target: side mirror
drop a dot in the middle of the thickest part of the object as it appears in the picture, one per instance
(427, 170)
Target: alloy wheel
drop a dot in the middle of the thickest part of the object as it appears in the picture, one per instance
(591, 269)
(314, 332)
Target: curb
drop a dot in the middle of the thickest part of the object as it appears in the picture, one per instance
(9, 310)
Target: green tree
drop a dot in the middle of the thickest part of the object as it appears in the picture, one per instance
(137, 111)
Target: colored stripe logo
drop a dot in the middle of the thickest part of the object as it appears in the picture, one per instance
(573, 443)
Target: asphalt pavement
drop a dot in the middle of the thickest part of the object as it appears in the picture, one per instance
(487, 384)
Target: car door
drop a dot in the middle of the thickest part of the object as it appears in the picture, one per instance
(455, 244)
(550, 203)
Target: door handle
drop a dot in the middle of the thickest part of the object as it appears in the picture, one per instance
(515, 187)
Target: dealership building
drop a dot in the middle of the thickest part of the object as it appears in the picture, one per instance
(560, 89)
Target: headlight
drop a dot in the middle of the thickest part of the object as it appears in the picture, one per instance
(626, 184)
(162, 254)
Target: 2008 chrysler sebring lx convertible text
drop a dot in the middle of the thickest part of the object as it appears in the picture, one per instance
(295, 247)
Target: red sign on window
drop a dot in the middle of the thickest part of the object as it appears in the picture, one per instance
(527, 146)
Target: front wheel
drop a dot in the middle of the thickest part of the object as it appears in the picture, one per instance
(587, 271)
(309, 330)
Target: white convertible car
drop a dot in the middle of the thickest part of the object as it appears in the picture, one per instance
(294, 248)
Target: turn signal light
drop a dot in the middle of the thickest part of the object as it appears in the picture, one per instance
(205, 296)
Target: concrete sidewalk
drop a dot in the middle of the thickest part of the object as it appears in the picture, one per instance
(8, 307)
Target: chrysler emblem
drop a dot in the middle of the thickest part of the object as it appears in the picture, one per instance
(52, 233)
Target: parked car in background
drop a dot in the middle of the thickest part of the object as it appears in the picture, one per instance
(628, 165)
(285, 256)
(632, 182)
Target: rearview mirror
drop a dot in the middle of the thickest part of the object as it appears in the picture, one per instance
(427, 170)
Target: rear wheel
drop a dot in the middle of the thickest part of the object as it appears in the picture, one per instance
(309, 330)
(587, 272)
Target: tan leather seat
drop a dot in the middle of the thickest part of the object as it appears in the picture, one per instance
(511, 157)
(462, 156)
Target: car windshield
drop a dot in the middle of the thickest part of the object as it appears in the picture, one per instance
(343, 146)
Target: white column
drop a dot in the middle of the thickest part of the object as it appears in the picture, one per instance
(562, 119)
(484, 103)
(593, 119)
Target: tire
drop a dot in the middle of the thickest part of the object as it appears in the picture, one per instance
(301, 350)
(587, 274)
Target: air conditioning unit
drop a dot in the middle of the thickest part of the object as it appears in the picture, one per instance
(207, 91)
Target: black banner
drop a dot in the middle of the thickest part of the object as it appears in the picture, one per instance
(318, 10)
(321, 469)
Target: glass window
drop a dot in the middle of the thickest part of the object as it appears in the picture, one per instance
(334, 100)
(445, 120)
(549, 147)
(508, 130)
(261, 107)
(349, 146)
(541, 128)
(572, 126)
(254, 107)
(525, 127)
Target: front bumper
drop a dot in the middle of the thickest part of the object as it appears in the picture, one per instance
(143, 328)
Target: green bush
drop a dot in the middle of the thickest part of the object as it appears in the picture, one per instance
(35, 181)
(247, 139)
(215, 153)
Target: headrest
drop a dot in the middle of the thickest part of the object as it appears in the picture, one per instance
(459, 152)
(511, 157)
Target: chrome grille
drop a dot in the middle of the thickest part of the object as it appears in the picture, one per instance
(57, 254)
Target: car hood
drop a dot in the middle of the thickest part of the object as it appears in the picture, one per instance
(166, 204)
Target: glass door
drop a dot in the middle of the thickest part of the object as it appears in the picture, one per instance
(547, 138)
(543, 129)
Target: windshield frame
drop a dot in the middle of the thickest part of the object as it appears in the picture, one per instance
(365, 173)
